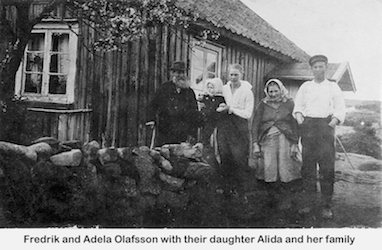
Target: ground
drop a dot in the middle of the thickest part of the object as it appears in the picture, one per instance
(357, 203)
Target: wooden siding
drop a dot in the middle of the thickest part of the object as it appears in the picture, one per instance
(118, 86)
(115, 88)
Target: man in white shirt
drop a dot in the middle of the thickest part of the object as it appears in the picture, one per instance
(319, 107)
(233, 131)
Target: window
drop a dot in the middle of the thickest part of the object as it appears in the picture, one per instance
(47, 72)
(205, 64)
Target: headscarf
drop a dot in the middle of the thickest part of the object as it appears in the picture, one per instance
(218, 85)
(284, 92)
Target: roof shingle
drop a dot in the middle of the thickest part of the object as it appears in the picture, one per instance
(235, 16)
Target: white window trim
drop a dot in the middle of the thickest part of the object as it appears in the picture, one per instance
(67, 98)
(207, 46)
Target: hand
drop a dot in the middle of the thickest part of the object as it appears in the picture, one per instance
(151, 124)
(256, 150)
(299, 118)
(333, 122)
(222, 107)
(293, 150)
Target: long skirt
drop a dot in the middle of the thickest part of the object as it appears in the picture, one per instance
(278, 161)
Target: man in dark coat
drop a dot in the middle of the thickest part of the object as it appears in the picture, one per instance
(175, 109)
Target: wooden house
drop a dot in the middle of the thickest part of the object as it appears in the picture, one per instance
(294, 74)
(104, 95)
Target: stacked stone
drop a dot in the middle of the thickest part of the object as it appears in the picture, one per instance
(142, 178)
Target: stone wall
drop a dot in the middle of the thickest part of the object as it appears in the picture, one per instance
(65, 183)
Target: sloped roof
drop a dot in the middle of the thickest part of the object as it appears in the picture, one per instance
(337, 72)
(236, 17)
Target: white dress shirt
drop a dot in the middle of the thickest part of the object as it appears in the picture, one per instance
(320, 100)
(242, 101)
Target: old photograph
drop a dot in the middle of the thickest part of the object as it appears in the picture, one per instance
(218, 114)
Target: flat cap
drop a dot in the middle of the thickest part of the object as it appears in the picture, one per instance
(318, 58)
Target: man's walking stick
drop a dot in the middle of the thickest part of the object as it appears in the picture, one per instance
(152, 137)
(346, 154)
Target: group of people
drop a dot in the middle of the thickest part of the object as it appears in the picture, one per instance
(279, 127)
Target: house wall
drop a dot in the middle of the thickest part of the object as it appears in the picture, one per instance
(113, 89)
(118, 86)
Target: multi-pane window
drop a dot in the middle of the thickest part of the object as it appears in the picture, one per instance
(205, 64)
(47, 72)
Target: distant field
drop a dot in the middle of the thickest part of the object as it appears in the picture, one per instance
(364, 105)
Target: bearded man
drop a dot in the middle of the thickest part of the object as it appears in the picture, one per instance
(174, 110)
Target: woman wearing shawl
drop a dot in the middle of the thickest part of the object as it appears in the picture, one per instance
(275, 138)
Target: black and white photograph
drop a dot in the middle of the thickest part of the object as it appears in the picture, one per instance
(212, 123)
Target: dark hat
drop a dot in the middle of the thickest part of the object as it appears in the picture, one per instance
(318, 58)
(179, 66)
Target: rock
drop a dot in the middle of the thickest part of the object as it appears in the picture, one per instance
(129, 186)
(161, 161)
(71, 158)
(155, 155)
(43, 170)
(106, 155)
(128, 169)
(8, 148)
(176, 150)
(92, 174)
(150, 186)
(165, 164)
(198, 170)
(173, 182)
(74, 144)
(147, 169)
(42, 149)
(193, 153)
(180, 165)
(172, 199)
(144, 149)
(165, 152)
(190, 184)
(146, 202)
(90, 151)
(53, 142)
(111, 169)
(125, 154)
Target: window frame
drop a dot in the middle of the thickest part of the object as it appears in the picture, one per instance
(48, 29)
(206, 47)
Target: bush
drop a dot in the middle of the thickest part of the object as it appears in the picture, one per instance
(363, 141)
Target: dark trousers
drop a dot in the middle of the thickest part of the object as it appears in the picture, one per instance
(318, 147)
(233, 146)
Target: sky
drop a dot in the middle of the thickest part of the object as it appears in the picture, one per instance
(343, 30)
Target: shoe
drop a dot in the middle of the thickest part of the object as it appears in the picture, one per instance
(304, 210)
(219, 191)
(327, 214)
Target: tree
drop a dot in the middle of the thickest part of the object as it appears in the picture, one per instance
(116, 21)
